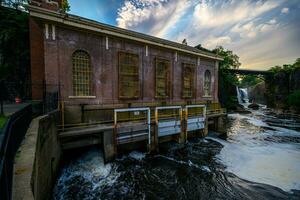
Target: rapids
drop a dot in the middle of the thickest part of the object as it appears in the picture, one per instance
(259, 159)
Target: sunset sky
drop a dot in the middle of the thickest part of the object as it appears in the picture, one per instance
(262, 33)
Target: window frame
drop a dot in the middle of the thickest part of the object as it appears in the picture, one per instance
(122, 75)
(89, 78)
(167, 78)
(192, 66)
(209, 88)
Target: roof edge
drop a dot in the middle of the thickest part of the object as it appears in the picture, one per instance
(83, 23)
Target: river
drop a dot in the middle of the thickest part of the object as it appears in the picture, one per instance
(259, 159)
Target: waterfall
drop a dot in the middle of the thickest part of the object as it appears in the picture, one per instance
(242, 95)
(238, 95)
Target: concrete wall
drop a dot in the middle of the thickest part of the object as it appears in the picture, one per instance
(37, 162)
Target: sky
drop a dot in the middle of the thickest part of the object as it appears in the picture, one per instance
(263, 33)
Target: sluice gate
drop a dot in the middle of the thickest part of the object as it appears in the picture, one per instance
(132, 126)
(164, 123)
(195, 116)
(168, 123)
(139, 126)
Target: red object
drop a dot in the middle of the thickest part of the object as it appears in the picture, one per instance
(18, 100)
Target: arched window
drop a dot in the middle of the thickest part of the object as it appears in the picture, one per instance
(82, 73)
(188, 80)
(207, 83)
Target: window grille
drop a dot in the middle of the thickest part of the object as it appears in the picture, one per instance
(82, 73)
(207, 83)
(188, 80)
(162, 78)
(129, 86)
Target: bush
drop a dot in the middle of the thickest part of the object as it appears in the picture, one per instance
(2, 121)
(294, 99)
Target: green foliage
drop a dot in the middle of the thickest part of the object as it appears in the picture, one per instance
(227, 80)
(3, 120)
(65, 6)
(288, 68)
(297, 63)
(294, 99)
(14, 48)
(231, 60)
(249, 80)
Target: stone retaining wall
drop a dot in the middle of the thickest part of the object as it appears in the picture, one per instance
(37, 161)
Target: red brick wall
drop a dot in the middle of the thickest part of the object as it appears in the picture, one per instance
(37, 59)
(58, 68)
(50, 5)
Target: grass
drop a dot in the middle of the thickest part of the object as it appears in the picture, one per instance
(2, 121)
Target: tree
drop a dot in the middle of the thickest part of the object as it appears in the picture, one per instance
(227, 80)
(65, 6)
(231, 60)
(13, 3)
(250, 80)
(297, 63)
(14, 50)
(288, 68)
(294, 99)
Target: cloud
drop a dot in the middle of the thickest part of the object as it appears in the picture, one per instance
(269, 49)
(251, 30)
(217, 41)
(245, 27)
(285, 10)
(221, 13)
(152, 16)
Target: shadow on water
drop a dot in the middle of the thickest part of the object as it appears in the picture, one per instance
(200, 169)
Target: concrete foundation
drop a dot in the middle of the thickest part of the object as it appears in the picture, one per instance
(37, 161)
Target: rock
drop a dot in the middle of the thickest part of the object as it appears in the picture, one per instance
(295, 80)
(257, 93)
(240, 109)
(254, 106)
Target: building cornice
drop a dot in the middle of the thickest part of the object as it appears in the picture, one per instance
(82, 23)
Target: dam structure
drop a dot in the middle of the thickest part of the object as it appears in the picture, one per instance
(118, 88)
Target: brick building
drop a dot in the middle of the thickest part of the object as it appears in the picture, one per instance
(84, 62)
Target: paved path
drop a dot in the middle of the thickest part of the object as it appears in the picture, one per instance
(10, 109)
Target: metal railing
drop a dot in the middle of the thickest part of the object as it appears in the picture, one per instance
(10, 140)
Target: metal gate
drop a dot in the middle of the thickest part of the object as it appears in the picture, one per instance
(168, 123)
(195, 117)
(133, 125)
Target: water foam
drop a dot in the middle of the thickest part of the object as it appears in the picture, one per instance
(90, 170)
(250, 157)
(137, 155)
(187, 163)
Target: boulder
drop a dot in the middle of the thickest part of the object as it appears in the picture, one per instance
(254, 106)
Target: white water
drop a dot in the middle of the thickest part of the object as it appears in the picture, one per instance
(250, 152)
(242, 96)
(248, 155)
(94, 173)
(137, 155)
